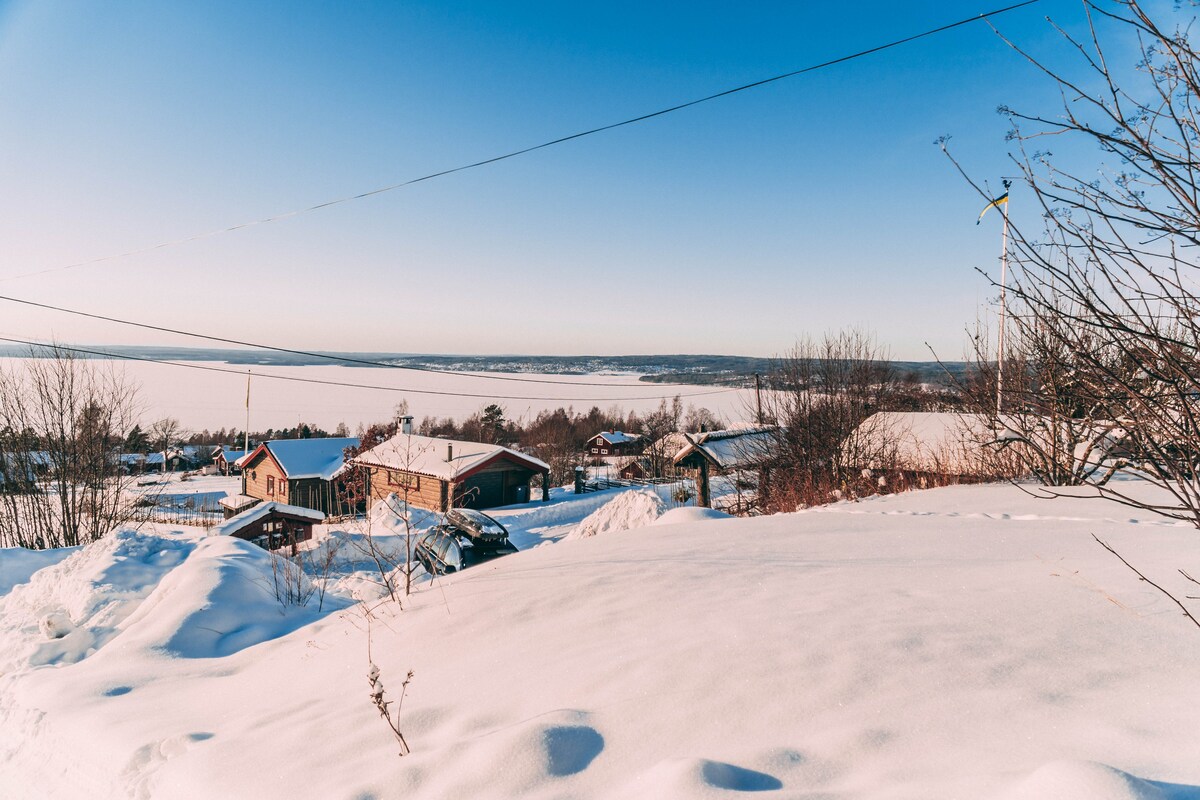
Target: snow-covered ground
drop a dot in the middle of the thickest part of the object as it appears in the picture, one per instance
(967, 642)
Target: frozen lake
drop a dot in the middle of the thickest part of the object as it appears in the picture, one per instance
(209, 400)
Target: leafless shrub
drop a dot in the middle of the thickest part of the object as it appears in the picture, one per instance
(378, 694)
(292, 587)
(818, 397)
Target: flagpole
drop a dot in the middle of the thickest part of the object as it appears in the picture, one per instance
(1003, 311)
(247, 434)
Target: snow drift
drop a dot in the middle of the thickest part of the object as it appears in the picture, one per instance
(635, 509)
(962, 642)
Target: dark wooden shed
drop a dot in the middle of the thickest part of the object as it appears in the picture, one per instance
(272, 525)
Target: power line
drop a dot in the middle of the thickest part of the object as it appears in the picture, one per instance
(291, 351)
(523, 151)
(344, 384)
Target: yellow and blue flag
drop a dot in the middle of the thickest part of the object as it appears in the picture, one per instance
(1002, 200)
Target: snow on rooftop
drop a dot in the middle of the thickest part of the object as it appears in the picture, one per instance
(932, 440)
(738, 448)
(235, 502)
(439, 458)
(310, 458)
(618, 437)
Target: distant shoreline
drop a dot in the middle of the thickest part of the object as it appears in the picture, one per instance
(704, 370)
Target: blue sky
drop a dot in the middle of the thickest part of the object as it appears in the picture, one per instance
(734, 227)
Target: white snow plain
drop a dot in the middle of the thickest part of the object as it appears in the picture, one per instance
(967, 642)
(204, 400)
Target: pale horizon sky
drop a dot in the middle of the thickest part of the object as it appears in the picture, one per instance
(734, 227)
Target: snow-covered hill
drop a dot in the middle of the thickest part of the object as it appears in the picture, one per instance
(967, 642)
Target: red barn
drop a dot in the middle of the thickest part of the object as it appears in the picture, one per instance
(613, 443)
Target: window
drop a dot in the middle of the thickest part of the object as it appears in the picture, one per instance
(404, 480)
(604, 451)
(270, 484)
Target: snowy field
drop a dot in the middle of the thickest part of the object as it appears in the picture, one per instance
(213, 400)
(967, 642)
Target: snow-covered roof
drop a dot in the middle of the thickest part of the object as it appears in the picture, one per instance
(235, 502)
(236, 523)
(617, 437)
(933, 441)
(28, 461)
(426, 455)
(131, 458)
(307, 458)
(672, 443)
(228, 453)
(732, 449)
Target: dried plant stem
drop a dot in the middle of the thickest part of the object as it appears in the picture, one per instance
(1135, 570)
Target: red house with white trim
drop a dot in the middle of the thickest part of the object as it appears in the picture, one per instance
(614, 443)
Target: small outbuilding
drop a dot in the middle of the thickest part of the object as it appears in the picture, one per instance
(271, 525)
(729, 450)
(235, 504)
(225, 459)
(442, 473)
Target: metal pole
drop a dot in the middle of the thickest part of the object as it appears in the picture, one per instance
(1003, 314)
(758, 396)
(247, 431)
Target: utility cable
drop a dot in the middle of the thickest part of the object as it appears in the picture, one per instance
(525, 150)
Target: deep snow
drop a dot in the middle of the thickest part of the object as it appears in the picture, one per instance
(963, 642)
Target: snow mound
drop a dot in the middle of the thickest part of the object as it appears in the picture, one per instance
(689, 514)
(1087, 780)
(531, 756)
(627, 510)
(17, 564)
(67, 611)
(220, 601)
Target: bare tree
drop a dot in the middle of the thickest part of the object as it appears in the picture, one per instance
(1109, 275)
(655, 427)
(1045, 424)
(163, 434)
(62, 423)
(818, 396)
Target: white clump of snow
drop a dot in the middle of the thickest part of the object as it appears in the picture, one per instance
(626, 511)
(689, 514)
